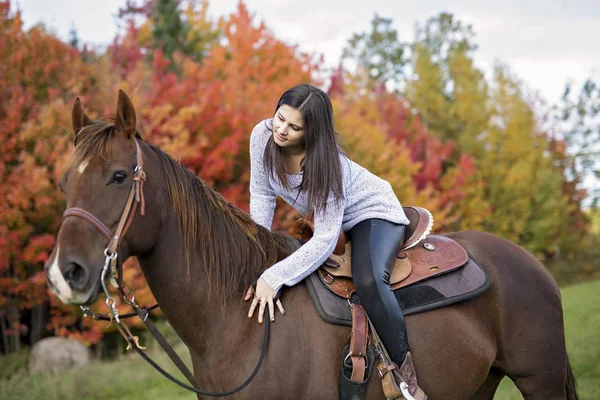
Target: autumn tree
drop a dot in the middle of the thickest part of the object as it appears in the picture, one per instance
(202, 116)
(385, 136)
(37, 72)
(524, 186)
(205, 119)
(446, 88)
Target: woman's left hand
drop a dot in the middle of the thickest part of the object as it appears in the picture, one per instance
(263, 296)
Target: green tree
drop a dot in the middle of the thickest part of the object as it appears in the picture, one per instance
(74, 37)
(171, 27)
(168, 29)
(379, 52)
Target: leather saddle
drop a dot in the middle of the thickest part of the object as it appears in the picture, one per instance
(421, 256)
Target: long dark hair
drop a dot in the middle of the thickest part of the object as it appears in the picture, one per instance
(322, 174)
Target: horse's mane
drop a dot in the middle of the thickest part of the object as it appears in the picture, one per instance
(227, 236)
(234, 249)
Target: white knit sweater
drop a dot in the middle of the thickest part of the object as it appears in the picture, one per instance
(365, 196)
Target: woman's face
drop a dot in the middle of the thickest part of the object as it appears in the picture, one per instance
(288, 128)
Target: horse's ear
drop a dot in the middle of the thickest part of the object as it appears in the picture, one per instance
(79, 117)
(125, 119)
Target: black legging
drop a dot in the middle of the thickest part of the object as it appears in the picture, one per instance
(375, 244)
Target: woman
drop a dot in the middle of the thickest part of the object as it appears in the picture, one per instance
(295, 156)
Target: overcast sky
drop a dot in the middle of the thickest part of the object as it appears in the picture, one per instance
(545, 42)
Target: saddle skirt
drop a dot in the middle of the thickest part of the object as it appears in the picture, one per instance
(420, 257)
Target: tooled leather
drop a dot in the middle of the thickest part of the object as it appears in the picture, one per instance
(419, 262)
(447, 256)
(342, 286)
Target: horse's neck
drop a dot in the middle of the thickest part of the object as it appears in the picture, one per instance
(181, 291)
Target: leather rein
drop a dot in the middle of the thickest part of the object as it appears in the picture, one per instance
(115, 269)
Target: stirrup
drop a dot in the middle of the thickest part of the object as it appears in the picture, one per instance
(389, 383)
(405, 392)
(395, 385)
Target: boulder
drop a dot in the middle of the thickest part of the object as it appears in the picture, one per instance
(54, 354)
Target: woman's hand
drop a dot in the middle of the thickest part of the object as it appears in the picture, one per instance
(263, 296)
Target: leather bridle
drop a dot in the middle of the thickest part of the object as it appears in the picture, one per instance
(136, 195)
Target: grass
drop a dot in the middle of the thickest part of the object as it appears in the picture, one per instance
(130, 378)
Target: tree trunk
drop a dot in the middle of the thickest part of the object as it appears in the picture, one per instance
(39, 314)
(4, 333)
(14, 337)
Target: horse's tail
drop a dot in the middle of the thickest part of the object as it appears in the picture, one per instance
(571, 385)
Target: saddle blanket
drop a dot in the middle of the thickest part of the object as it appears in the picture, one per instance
(458, 285)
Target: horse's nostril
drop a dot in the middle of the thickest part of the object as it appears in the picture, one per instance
(76, 275)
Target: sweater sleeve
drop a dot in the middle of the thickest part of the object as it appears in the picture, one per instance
(262, 195)
(305, 260)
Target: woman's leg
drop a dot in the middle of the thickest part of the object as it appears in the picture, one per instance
(375, 244)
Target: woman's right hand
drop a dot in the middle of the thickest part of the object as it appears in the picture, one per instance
(263, 296)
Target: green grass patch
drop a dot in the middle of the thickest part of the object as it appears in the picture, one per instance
(127, 378)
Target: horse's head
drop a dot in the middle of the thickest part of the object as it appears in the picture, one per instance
(102, 177)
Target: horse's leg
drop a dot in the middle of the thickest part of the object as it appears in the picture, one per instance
(531, 343)
(488, 389)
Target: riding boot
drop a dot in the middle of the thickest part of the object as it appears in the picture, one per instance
(406, 375)
(375, 244)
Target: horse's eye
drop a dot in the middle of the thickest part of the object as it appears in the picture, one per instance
(119, 177)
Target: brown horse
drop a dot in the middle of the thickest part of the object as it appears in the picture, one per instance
(199, 254)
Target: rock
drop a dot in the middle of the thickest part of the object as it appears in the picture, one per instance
(54, 354)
